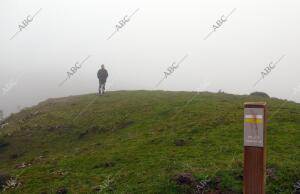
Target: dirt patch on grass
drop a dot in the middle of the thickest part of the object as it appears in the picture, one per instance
(62, 190)
(190, 185)
(184, 178)
(107, 164)
(181, 142)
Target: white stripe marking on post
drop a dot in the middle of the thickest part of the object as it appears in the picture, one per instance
(253, 116)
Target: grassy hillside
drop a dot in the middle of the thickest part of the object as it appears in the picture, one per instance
(143, 142)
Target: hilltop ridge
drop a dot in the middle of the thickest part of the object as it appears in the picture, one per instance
(144, 142)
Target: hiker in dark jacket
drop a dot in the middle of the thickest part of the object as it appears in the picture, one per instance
(102, 76)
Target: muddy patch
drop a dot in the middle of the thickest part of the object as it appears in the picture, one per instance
(188, 184)
(107, 164)
(181, 142)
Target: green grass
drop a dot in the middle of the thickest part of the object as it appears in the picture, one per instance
(125, 141)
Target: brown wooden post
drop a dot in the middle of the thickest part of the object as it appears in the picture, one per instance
(255, 128)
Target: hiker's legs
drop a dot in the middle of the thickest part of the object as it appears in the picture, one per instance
(99, 89)
(103, 87)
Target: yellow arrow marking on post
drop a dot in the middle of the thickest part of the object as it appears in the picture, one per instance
(254, 119)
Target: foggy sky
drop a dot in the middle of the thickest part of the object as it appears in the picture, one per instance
(160, 33)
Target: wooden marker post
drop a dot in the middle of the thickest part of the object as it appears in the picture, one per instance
(255, 122)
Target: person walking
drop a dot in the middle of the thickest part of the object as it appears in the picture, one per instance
(102, 76)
